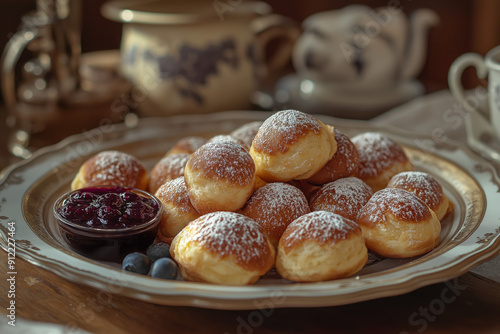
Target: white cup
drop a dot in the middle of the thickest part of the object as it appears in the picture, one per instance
(486, 67)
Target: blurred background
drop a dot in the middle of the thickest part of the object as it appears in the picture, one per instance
(464, 26)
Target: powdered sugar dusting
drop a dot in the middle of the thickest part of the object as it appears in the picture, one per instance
(283, 129)
(223, 160)
(276, 205)
(344, 197)
(377, 153)
(175, 192)
(174, 164)
(228, 138)
(188, 144)
(347, 150)
(230, 233)
(114, 168)
(168, 168)
(401, 203)
(222, 137)
(344, 163)
(320, 226)
(421, 184)
(246, 133)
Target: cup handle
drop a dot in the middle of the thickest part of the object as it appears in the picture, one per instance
(275, 27)
(455, 77)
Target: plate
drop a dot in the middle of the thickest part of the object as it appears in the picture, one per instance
(28, 189)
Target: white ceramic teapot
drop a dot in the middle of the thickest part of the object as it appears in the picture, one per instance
(360, 58)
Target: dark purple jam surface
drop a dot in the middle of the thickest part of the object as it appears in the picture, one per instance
(109, 208)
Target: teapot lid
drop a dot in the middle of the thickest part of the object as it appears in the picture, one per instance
(179, 11)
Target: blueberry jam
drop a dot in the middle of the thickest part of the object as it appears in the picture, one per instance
(107, 223)
(108, 208)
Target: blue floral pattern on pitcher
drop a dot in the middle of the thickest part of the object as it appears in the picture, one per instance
(191, 64)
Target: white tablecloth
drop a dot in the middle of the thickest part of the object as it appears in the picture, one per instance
(434, 115)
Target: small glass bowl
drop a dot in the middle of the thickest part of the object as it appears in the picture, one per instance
(108, 244)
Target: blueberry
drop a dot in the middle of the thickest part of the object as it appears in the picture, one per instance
(137, 263)
(164, 268)
(158, 250)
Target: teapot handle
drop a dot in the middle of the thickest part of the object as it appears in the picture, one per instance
(455, 77)
(275, 28)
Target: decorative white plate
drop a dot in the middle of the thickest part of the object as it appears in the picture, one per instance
(27, 191)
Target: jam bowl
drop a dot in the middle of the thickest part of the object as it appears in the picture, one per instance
(108, 222)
